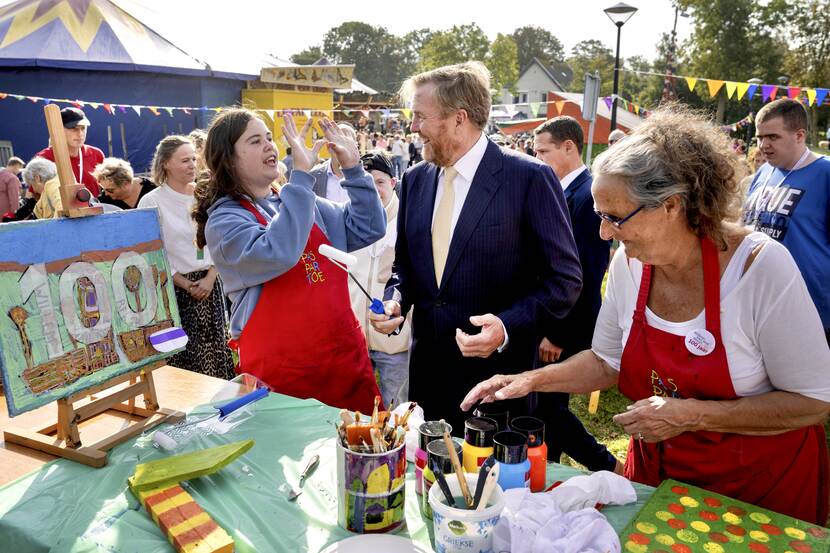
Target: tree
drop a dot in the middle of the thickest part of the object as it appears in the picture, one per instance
(535, 42)
(308, 56)
(377, 54)
(589, 56)
(502, 61)
(412, 43)
(457, 45)
(732, 42)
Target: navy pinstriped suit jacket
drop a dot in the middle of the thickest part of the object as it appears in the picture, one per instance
(512, 254)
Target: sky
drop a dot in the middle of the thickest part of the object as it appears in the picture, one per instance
(220, 31)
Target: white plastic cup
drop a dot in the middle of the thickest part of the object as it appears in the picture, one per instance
(463, 530)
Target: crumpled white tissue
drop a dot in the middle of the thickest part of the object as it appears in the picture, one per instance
(562, 520)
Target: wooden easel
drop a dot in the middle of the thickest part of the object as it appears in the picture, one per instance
(63, 439)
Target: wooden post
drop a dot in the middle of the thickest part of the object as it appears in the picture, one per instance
(124, 140)
(74, 197)
(109, 139)
(593, 402)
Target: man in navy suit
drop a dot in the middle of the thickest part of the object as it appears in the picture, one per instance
(484, 247)
(558, 142)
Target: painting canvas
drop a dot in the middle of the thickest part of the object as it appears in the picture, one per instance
(680, 518)
(79, 299)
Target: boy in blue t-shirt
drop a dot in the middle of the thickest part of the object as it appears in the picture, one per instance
(789, 198)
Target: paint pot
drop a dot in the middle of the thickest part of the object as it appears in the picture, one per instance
(478, 441)
(370, 490)
(495, 410)
(437, 453)
(510, 452)
(462, 530)
(537, 449)
(427, 432)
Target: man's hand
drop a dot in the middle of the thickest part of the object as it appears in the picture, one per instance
(549, 352)
(390, 321)
(485, 342)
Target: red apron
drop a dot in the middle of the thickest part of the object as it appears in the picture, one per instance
(303, 338)
(776, 472)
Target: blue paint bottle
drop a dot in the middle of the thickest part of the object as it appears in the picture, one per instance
(510, 451)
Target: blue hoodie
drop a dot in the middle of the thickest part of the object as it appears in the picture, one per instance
(248, 255)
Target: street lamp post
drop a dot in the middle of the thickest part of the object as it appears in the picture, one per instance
(618, 14)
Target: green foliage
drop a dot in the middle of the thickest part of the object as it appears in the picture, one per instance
(307, 56)
(536, 42)
(589, 56)
(502, 61)
(377, 54)
(457, 45)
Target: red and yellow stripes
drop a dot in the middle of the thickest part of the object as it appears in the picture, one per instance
(188, 527)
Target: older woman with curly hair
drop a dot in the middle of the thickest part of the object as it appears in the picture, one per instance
(707, 327)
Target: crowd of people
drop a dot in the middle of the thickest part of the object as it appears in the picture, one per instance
(489, 256)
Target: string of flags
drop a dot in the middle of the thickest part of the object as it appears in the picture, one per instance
(746, 121)
(737, 90)
(628, 106)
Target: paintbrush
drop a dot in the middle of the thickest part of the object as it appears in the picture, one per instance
(442, 483)
(482, 477)
(346, 416)
(377, 441)
(489, 486)
(456, 465)
(375, 410)
(409, 410)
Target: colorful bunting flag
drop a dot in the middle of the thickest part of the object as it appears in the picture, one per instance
(714, 87)
(691, 81)
(534, 108)
(154, 110)
(406, 113)
(560, 105)
(811, 96)
(768, 91)
(137, 110)
(108, 108)
(742, 88)
(793, 92)
(730, 88)
(608, 102)
(169, 111)
(821, 93)
(753, 88)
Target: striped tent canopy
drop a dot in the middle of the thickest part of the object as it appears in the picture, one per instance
(86, 34)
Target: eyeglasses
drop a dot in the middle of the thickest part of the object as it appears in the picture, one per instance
(617, 222)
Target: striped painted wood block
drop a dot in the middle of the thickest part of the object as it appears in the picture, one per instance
(188, 527)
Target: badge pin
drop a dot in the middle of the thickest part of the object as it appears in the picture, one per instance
(700, 342)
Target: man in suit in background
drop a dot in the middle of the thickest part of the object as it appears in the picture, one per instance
(327, 175)
(484, 246)
(558, 142)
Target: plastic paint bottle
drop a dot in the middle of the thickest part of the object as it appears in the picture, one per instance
(478, 441)
(495, 410)
(427, 432)
(537, 449)
(436, 453)
(510, 452)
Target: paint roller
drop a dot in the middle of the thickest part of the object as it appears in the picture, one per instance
(344, 261)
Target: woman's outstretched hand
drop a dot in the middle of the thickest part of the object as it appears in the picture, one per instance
(499, 387)
(340, 144)
(304, 157)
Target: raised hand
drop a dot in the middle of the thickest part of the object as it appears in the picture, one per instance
(304, 157)
(340, 144)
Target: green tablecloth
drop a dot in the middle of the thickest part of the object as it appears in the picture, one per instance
(68, 507)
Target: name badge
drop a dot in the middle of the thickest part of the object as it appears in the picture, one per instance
(700, 342)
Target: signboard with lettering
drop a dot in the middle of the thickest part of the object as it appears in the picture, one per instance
(79, 299)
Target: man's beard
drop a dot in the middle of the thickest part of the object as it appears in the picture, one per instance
(438, 156)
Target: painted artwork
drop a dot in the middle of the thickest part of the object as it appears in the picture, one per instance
(370, 490)
(78, 300)
(680, 518)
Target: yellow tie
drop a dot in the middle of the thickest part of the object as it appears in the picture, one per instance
(443, 224)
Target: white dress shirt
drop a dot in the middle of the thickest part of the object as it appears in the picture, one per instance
(334, 191)
(570, 177)
(466, 167)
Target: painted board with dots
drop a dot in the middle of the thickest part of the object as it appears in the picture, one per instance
(680, 518)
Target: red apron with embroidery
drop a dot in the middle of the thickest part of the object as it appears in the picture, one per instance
(787, 473)
(303, 338)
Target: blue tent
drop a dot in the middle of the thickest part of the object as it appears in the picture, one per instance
(93, 51)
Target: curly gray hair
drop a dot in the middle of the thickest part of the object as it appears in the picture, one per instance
(39, 167)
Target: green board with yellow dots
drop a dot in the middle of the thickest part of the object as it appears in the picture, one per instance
(680, 518)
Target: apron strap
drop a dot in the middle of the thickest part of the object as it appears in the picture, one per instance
(642, 296)
(244, 202)
(711, 285)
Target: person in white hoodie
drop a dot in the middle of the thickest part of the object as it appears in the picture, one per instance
(389, 354)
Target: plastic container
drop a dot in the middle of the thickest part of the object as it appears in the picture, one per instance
(537, 449)
(370, 490)
(462, 530)
(436, 453)
(496, 411)
(427, 432)
(478, 442)
(510, 452)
